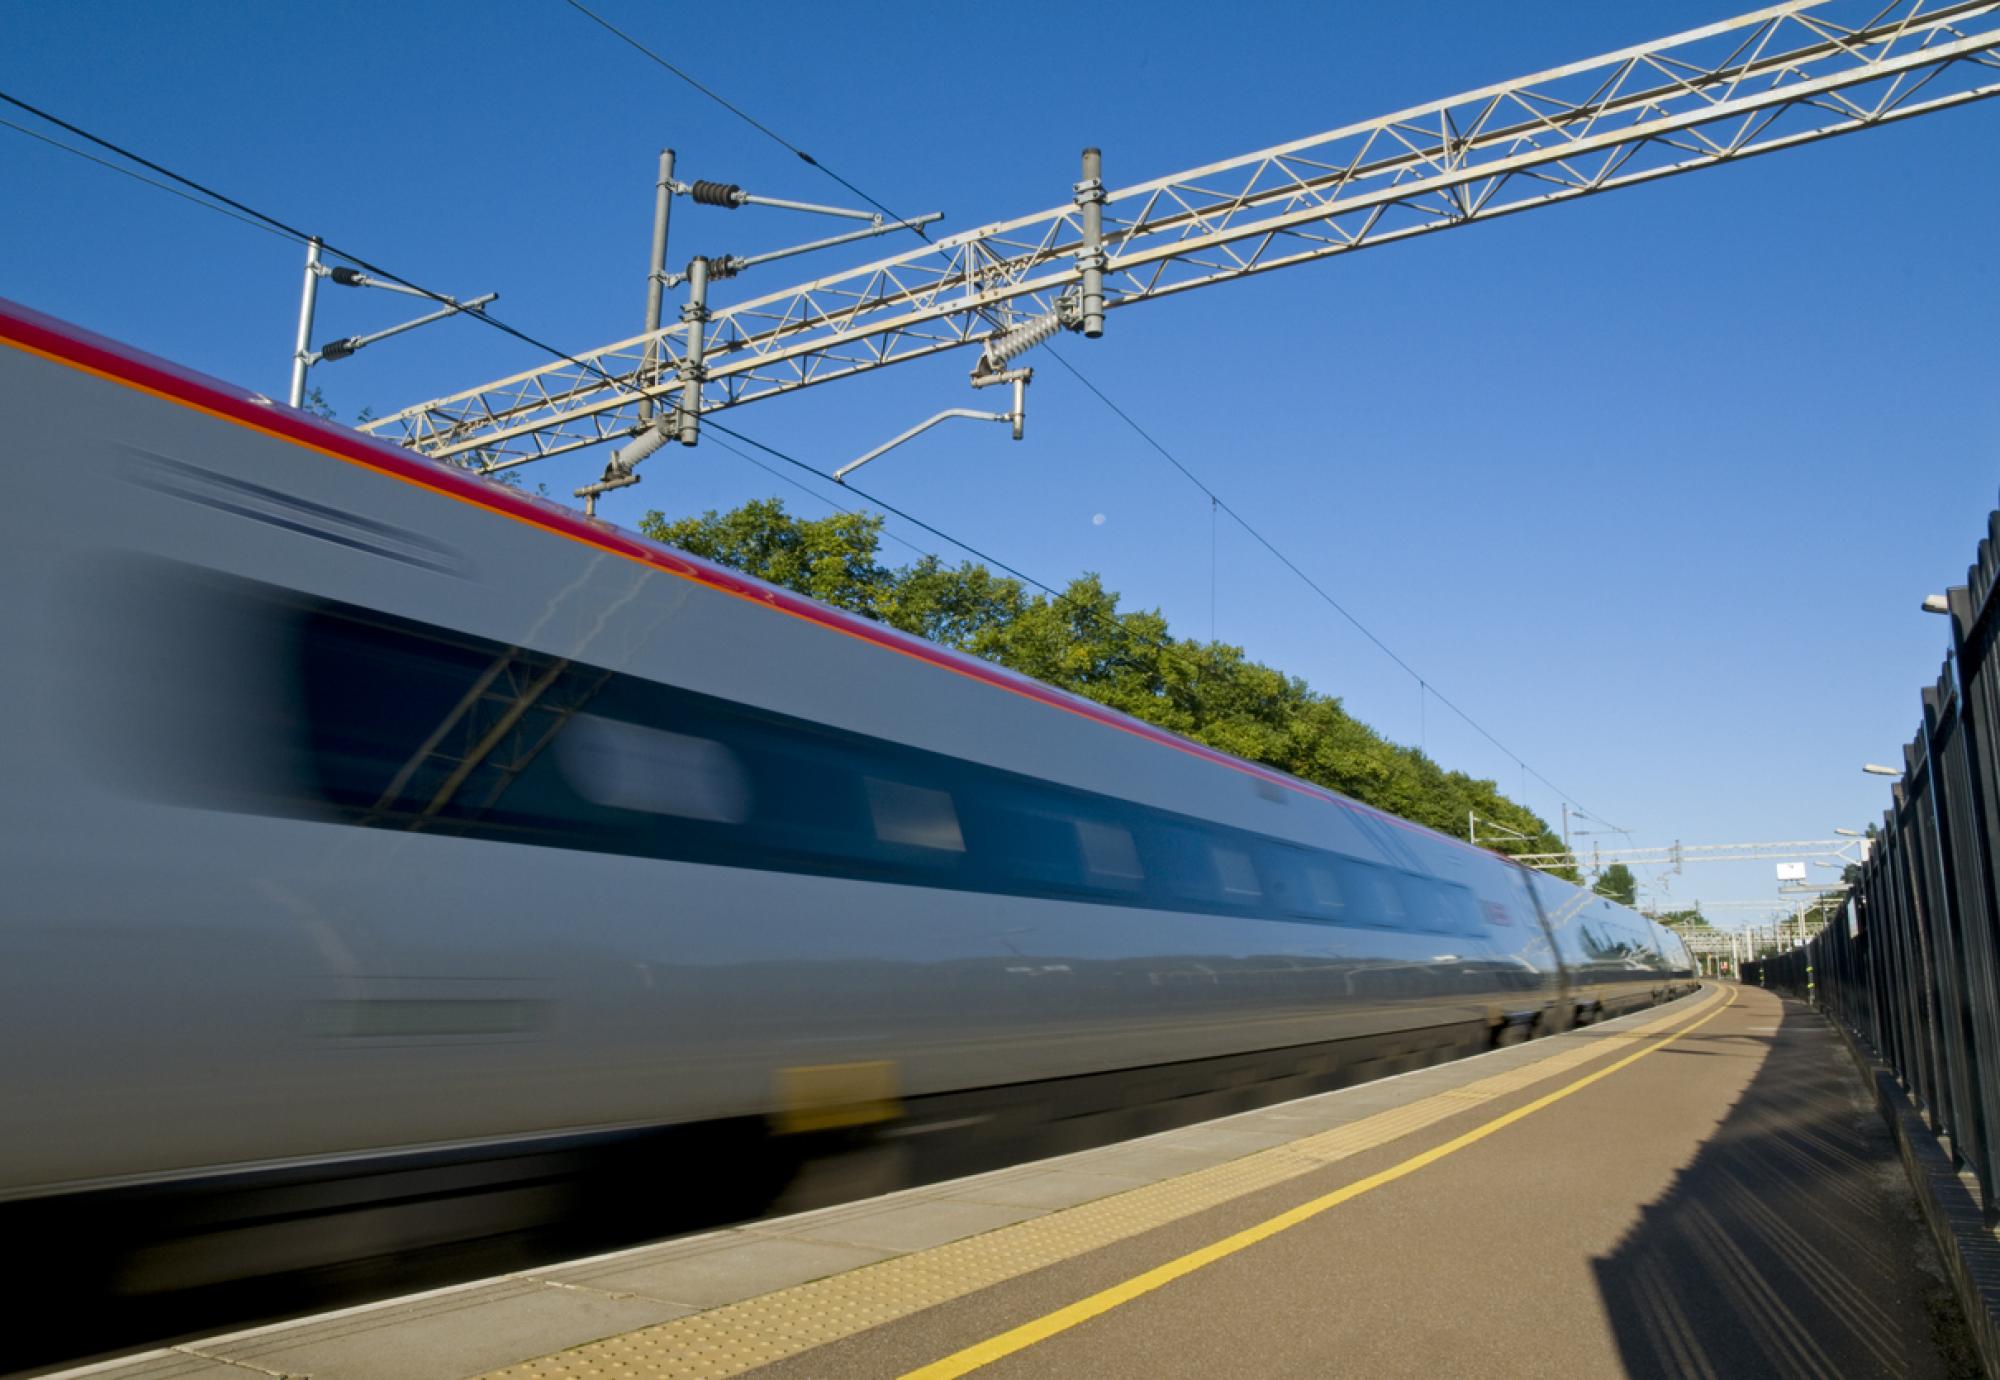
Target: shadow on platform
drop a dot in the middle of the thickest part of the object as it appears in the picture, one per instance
(1791, 1245)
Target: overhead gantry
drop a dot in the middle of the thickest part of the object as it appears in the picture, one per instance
(1774, 79)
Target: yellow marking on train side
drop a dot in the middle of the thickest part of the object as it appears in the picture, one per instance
(1083, 1310)
(825, 1097)
(758, 1331)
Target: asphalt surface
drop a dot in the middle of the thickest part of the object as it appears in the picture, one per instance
(1727, 1205)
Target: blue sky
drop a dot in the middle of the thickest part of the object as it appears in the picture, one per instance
(1650, 484)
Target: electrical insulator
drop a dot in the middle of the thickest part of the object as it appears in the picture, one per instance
(724, 194)
(1001, 348)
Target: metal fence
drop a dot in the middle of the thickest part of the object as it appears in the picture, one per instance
(1915, 968)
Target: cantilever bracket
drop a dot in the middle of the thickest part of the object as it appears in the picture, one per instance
(620, 470)
(1018, 377)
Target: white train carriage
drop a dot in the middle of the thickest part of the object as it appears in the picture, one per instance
(377, 834)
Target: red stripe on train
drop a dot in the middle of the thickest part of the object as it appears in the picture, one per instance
(71, 345)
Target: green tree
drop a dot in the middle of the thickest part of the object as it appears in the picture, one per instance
(1685, 919)
(831, 559)
(1618, 884)
(1083, 642)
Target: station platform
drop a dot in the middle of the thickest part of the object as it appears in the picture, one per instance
(1698, 1190)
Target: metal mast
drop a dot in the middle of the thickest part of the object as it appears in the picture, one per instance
(1773, 79)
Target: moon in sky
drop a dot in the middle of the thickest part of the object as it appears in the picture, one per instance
(1097, 520)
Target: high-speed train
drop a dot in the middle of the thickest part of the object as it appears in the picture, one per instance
(389, 855)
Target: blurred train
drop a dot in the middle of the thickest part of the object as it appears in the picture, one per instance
(392, 857)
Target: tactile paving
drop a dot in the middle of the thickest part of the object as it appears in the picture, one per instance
(741, 1336)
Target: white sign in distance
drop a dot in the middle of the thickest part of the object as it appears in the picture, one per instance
(1791, 872)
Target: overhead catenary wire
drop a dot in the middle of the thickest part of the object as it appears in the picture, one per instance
(818, 497)
(1051, 591)
(1057, 596)
(168, 188)
(243, 211)
(1215, 500)
(1423, 683)
(743, 115)
(240, 210)
(302, 237)
(1114, 624)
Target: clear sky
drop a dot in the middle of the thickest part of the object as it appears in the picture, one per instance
(1650, 484)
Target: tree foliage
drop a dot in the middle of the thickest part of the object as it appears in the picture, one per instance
(1618, 884)
(1084, 643)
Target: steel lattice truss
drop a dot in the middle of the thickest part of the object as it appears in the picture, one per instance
(1676, 854)
(1755, 84)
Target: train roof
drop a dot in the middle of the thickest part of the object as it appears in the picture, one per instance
(72, 346)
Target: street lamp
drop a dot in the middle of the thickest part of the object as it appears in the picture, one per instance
(1936, 603)
(1848, 833)
(1877, 769)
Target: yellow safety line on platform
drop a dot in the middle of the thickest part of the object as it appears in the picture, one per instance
(755, 1332)
(1083, 1310)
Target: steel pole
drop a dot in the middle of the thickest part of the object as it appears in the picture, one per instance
(308, 297)
(656, 276)
(695, 317)
(1090, 255)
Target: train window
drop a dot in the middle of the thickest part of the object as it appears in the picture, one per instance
(1301, 884)
(916, 816)
(1283, 877)
(1372, 895)
(1420, 902)
(408, 725)
(1238, 877)
(1323, 890)
(1109, 855)
(1185, 862)
(632, 767)
(377, 701)
(1019, 844)
(1464, 910)
(1437, 907)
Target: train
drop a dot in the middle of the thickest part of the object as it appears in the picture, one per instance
(393, 856)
